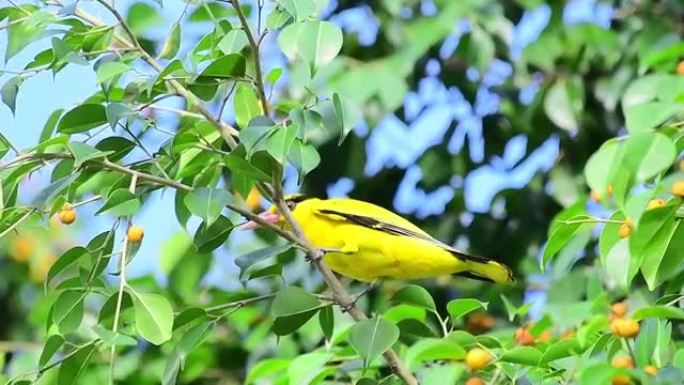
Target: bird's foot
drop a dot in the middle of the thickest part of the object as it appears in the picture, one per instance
(320, 252)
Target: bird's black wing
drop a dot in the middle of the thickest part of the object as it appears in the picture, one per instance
(376, 224)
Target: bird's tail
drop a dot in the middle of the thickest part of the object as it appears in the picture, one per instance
(487, 270)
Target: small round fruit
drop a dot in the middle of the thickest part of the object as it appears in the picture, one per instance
(67, 216)
(621, 380)
(650, 369)
(609, 189)
(479, 323)
(135, 234)
(624, 231)
(524, 337)
(477, 358)
(680, 68)
(545, 336)
(623, 362)
(629, 222)
(474, 381)
(626, 328)
(655, 203)
(22, 248)
(595, 196)
(678, 189)
(619, 309)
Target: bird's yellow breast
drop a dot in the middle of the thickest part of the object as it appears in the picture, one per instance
(371, 254)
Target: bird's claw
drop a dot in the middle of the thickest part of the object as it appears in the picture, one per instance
(317, 256)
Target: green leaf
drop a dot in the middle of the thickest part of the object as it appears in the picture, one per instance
(561, 349)
(67, 312)
(372, 337)
(187, 316)
(417, 296)
(74, 366)
(142, 17)
(239, 165)
(646, 116)
(67, 259)
(246, 105)
(172, 43)
(82, 118)
(618, 264)
(253, 137)
(292, 307)
(512, 310)
(194, 337)
(83, 153)
(659, 311)
(563, 233)
(303, 157)
(460, 307)
(648, 242)
(117, 147)
(116, 112)
(272, 270)
(19, 36)
(109, 70)
(610, 235)
(111, 338)
(266, 367)
(224, 68)
(207, 239)
(279, 142)
(305, 368)
(50, 124)
(153, 317)
(650, 153)
(326, 318)
(233, 42)
(316, 42)
(51, 346)
(9, 92)
(210, 12)
(273, 75)
(299, 9)
(431, 349)
(525, 355)
(564, 103)
(4, 146)
(121, 203)
(207, 203)
(600, 168)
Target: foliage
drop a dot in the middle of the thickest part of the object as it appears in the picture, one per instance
(600, 225)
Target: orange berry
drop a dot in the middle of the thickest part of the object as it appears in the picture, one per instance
(22, 248)
(680, 68)
(595, 196)
(624, 230)
(67, 216)
(655, 203)
(621, 380)
(650, 369)
(623, 362)
(619, 309)
(545, 336)
(135, 234)
(629, 222)
(477, 358)
(524, 337)
(678, 188)
(475, 381)
(626, 328)
(479, 323)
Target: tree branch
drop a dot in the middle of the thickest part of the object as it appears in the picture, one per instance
(255, 51)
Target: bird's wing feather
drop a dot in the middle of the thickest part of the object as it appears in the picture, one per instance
(379, 225)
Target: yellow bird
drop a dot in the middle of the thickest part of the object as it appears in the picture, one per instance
(367, 243)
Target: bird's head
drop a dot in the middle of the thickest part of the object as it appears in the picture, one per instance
(272, 215)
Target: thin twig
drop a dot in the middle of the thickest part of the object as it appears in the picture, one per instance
(255, 51)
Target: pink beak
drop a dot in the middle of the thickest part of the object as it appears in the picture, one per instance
(266, 216)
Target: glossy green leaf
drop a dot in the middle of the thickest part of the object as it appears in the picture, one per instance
(74, 366)
(207, 239)
(83, 153)
(564, 102)
(291, 308)
(172, 43)
(207, 203)
(431, 349)
(326, 319)
(233, 42)
(316, 42)
(659, 311)
(239, 165)
(120, 203)
(109, 70)
(116, 147)
(372, 337)
(299, 9)
(303, 157)
(525, 355)
(51, 346)
(417, 296)
(114, 339)
(305, 368)
(563, 233)
(9, 92)
(67, 311)
(246, 105)
(265, 368)
(67, 259)
(561, 349)
(458, 308)
(82, 118)
(141, 17)
(646, 116)
(153, 317)
(279, 142)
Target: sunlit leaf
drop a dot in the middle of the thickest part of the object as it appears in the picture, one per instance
(153, 317)
(370, 338)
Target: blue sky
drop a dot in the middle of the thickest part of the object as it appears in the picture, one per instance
(429, 112)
